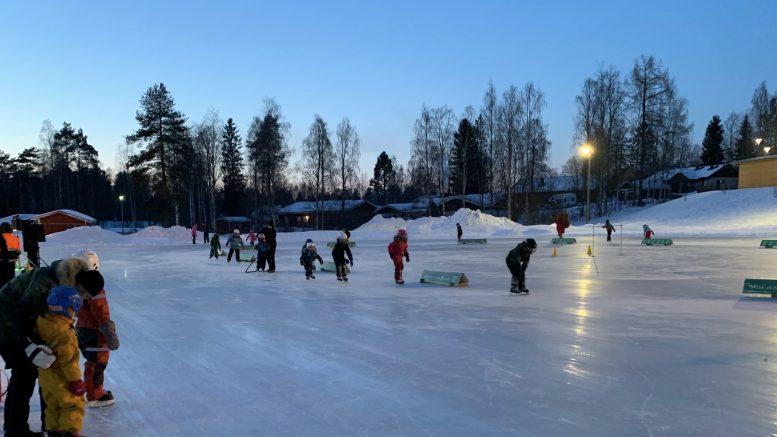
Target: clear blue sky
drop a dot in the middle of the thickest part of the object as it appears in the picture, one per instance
(375, 62)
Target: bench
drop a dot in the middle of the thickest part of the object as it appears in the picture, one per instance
(473, 241)
(760, 286)
(451, 279)
(769, 244)
(657, 241)
(563, 241)
(329, 266)
(332, 244)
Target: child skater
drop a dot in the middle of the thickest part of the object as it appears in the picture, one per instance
(234, 242)
(96, 337)
(61, 386)
(609, 228)
(261, 252)
(309, 255)
(215, 246)
(398, 249)
(339, 253)
(517, 261)
(648, 232)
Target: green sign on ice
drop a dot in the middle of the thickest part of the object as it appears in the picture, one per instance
(760, 286)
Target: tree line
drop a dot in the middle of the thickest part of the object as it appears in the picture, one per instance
(180, 172)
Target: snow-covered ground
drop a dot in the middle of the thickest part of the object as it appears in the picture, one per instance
(637, 340)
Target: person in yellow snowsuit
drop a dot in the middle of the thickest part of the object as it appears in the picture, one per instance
(61, 384)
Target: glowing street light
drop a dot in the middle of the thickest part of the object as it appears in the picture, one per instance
(121, 202)
(586, 151)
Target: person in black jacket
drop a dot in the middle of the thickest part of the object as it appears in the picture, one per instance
(517, 261)
(269, 235)
(339, 252)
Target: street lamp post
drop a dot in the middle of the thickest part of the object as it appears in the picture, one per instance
(766, 147)
(121, 202)
(586, 150)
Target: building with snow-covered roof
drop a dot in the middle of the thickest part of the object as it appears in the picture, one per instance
(55, 221)
(326, 214)
(226, 224)
(758, 172)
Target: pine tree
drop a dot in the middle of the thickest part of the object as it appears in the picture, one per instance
(383, 175)
(163, 132)
(712, 150)
(467, 164)
(745, 148)
(232, 168)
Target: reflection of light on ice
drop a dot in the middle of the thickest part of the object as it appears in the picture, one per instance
(581, 313)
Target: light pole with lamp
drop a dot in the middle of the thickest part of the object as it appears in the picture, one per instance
(586, 150)
(121, 202)
(766, 149)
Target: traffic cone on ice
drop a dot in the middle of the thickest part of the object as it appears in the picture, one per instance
(554, 252)
(589, 251)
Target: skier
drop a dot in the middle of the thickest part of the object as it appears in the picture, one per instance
(194, 233)
(61, 385)
(261, 252)
(96, 337)
(269, 234)
(459, 232)
(21, 302)
(648, 232)
(398, 249)
(517, 261)
(309, 255)
(610, 229)
(215, 246)
(10, 249)
(234, 242)
(339, 252)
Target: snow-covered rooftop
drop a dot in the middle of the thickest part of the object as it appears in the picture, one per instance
(325, 205)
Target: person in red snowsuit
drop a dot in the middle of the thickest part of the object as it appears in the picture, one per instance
(648, 232)
(96, 337)
(560, 225)
(397, 249)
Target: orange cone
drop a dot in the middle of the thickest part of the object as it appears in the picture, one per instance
(554, 252)
(589, 252)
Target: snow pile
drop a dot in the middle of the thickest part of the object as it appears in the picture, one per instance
(175, 233)
(474, 223)
(745, 212)
(85, 236)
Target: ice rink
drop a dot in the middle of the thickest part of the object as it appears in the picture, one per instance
(635, 341)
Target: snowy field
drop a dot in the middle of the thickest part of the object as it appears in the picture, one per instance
(635, 341)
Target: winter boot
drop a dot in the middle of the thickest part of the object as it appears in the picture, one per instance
(339, 278)
(345, 278)
(103, 401)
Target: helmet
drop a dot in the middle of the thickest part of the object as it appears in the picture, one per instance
(62, 299)
(89, 256)
(236, 232)
(342, 236)
(402, 233)
(311, 246)
(530, 243)
(261, 237)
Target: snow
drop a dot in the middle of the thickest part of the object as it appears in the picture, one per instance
(634, 341)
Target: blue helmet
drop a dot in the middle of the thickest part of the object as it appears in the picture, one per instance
(63, 298)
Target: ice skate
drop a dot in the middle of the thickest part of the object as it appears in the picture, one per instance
(400, 281)
(345, 279)
(103, 401)
(339, 278)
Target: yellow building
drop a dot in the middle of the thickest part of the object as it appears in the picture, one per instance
(758, 172)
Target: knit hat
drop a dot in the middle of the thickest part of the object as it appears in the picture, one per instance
(92, 281)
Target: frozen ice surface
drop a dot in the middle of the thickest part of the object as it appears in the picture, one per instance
(637, 340)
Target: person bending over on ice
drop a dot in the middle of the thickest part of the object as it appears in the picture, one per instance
(398, 249)
(262, 248)
(234, 242)
(60, 384)
(96, 337)
(648, 232)
(609, 228)
(215, 246)
(309, 255)
(517, 261)
(339, 253)
(21, 302)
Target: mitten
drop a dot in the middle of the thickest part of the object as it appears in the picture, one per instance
(40, 355)
(108, 329)
(351, 263)
(302, 263)
(320, 262)
(407, 257)
(78, 388)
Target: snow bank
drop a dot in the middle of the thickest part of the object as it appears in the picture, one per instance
(174, 233)
(85, 236)
(475, 224)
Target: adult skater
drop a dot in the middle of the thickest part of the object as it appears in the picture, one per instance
(609, 228)
(269, 235)
(517, 261)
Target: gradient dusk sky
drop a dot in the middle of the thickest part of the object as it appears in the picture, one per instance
(375, 62)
